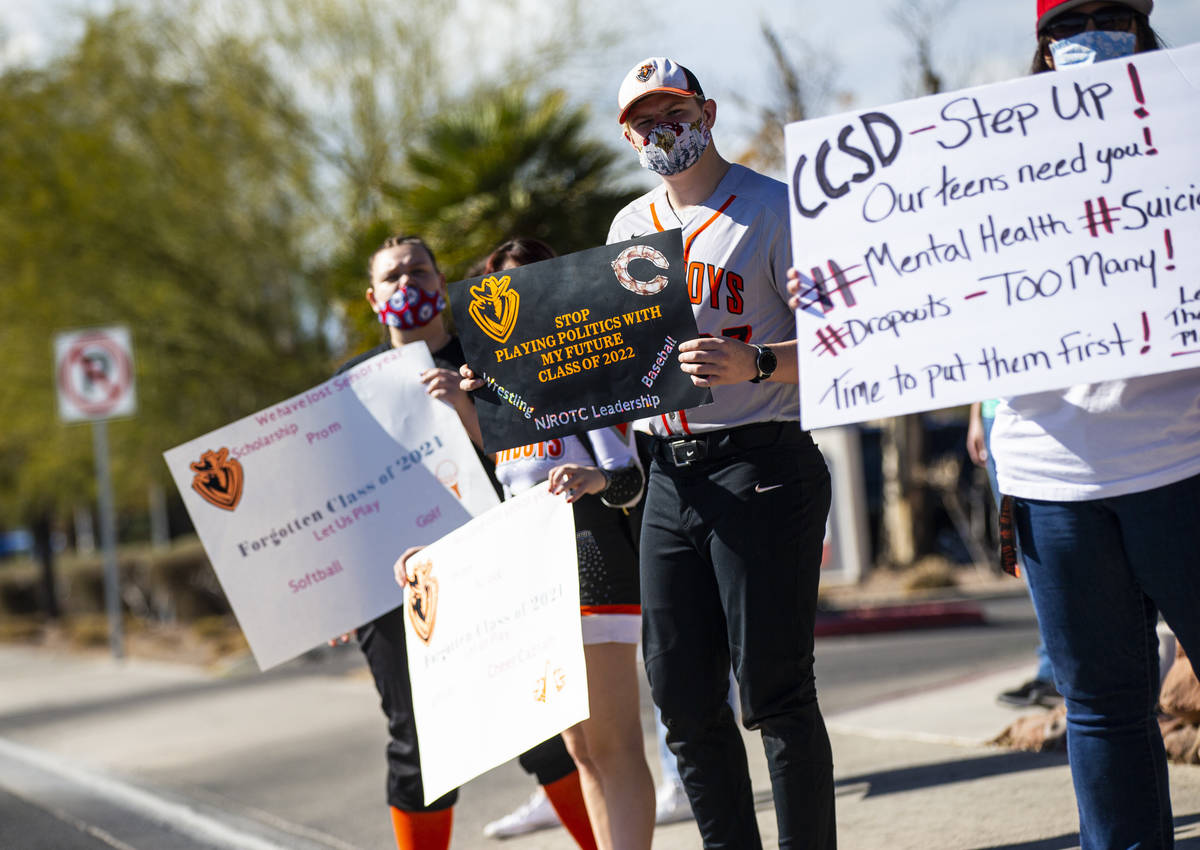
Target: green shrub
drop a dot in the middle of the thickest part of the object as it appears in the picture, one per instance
(20, 594)
(161, 585)
(19, 628)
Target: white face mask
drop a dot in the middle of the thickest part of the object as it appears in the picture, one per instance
(1092, 46)
(670, 147)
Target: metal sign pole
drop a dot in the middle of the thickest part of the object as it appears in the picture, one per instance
(108, 538)
(94, 376)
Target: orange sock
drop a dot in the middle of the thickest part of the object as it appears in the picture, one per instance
(422, 830)
(567, 799)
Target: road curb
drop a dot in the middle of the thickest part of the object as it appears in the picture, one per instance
(892, 618)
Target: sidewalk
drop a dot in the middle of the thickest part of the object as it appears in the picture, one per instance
(914, 773)
(164, 739)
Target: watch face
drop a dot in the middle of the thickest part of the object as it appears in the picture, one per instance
(766, 361)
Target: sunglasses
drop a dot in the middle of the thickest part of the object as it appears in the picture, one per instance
(1111, 19)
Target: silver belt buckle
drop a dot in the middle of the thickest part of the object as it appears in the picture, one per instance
(685, 452)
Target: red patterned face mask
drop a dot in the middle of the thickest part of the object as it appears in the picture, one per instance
(411, 307)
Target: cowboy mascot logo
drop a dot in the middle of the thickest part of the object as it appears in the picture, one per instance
(218, 478)
(494, 307)
(422, 599)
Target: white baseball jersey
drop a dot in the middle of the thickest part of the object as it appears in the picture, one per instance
(737, 249)
(521, 468)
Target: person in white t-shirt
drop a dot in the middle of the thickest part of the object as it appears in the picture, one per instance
(599, 474)
(1103, 485)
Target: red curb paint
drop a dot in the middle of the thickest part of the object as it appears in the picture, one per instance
(893, 618)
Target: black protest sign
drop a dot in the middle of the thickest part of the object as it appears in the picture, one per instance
(579, 342)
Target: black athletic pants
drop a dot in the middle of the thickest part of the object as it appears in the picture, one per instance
(730, 560)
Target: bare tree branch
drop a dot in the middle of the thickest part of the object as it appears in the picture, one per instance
(794, 96)
(919, 21)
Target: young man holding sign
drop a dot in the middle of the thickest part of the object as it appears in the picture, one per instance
(738, 493)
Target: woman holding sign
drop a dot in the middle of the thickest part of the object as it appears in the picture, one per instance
(407, 292)
(599, 474)
(1102, 485)
(1102, 489)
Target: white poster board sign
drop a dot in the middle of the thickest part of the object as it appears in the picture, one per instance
(303, 507)
(93, 374)
(495, 647)
(1002, 240)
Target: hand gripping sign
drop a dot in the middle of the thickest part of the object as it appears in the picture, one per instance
(579, 342)
(1002, 240)
(303, 507)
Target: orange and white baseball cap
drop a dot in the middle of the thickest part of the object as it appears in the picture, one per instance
(653, 75)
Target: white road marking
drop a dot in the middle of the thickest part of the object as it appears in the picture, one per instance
(177, 816)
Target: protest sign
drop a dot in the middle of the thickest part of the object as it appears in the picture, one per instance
(1002, 240)
(495, 648)
(579, 342)
(303, 507)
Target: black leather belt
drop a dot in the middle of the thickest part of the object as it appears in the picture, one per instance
(713, 445)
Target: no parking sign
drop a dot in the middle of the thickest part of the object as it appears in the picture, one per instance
(94, 374)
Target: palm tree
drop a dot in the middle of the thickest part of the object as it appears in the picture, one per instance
(503, 162)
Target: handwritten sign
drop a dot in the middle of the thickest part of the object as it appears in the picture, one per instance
(1002, 240)
(495, 649)
(303, 507)
(579, 342)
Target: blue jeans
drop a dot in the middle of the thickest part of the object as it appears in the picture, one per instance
(730, 560)
(1100, 572)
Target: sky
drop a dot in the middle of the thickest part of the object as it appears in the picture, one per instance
(854, 44)
(977, 42)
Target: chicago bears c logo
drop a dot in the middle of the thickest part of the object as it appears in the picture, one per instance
(500, 303)
(218, 478)
(620, 267)
(422, 599)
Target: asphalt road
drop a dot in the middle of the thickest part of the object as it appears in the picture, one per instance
(856, 670)
(326, 789)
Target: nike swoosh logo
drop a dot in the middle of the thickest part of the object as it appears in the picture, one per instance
(758, 488)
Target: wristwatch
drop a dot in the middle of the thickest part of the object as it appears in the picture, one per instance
(765, 364)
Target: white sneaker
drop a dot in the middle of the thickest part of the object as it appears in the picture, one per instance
(671, 803)
(534, 814)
